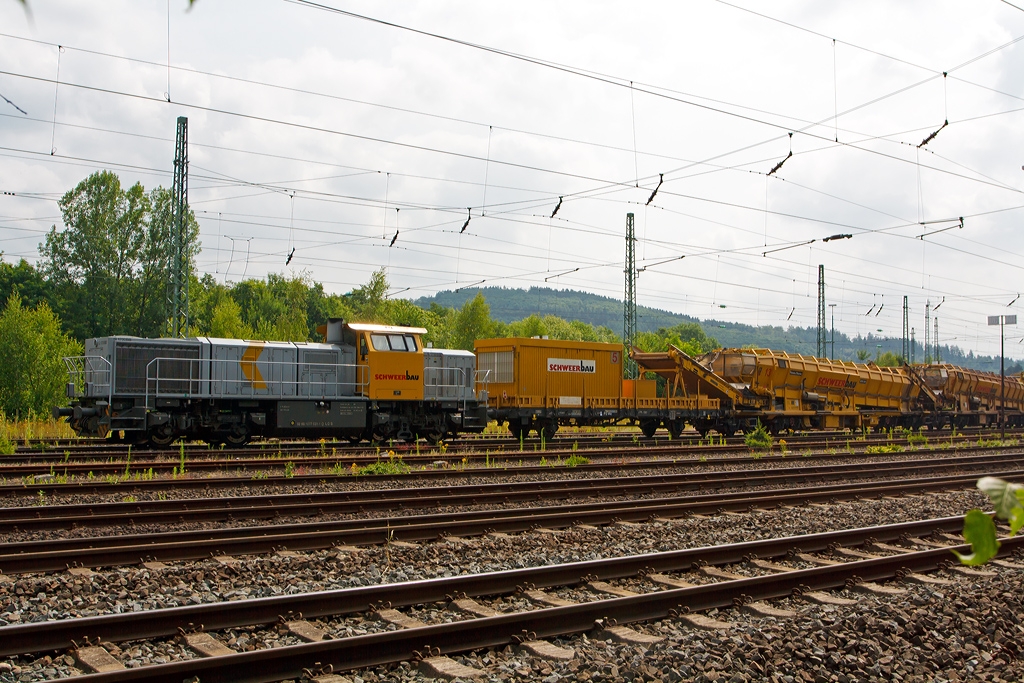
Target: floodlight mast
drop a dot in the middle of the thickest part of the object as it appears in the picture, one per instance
(1002, 320)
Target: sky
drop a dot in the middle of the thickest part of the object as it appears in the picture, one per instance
(363, 135)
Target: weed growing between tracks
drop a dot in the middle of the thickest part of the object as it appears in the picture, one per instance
(759, 440)
(393, 465)
(6, 445)
(885, 448)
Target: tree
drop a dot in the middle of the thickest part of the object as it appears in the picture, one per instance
(889, 360)
(472, 322)
(110, 267)
(32, 376)
(863, 355)
(25, 281)
(369, 300)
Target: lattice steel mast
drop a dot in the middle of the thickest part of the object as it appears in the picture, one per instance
(179, 238)
(822, 341)
(927, 332)
(629, 368)
(906, 331)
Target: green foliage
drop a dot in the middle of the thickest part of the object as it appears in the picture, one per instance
(980, 532)
(884, 448)
(979, 529)
(688, 337)
(758, 439)
(863, 355)
(109, 268)
(7, 446)
(575, 460)
(383, 467)
(888, 359)
(32, 376)
(25, 281)
(917, 439)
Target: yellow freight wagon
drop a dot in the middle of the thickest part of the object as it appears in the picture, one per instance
(789, 391)
(971, 397)
(540, 384)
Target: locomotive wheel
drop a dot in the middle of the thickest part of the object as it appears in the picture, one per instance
(237, 439)
(380, 434)
(649, 427)
(161, 438)
(354, 439)
(433, 438)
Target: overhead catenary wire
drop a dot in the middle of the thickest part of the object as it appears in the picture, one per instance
(559, 203)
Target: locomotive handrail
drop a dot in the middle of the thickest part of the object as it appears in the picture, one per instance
(459, 386)
(80, 367)
(274, 386)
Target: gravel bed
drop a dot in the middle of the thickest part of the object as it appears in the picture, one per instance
(968, 628)
(132, 528)
(63, 595)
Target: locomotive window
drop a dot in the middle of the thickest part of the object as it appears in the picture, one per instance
(397, 342)
(380, 342)
(410, 342)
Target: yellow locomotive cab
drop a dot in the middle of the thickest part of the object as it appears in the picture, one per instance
(393, 358)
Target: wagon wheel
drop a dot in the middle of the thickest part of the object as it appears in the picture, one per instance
(432, 438)
(516, 430)
(649, 427)
(548, 430)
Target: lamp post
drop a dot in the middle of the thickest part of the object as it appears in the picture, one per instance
(1002, 320)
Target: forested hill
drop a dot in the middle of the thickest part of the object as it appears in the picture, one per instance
(515, 304)
(508, 305)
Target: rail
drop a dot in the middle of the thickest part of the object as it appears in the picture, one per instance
(58, 635)
(258, 379)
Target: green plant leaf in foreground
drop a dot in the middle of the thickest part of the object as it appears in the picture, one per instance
(980, 532)
(1016, 520)
(1004, 495)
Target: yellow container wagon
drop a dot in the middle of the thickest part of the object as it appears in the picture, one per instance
(539, 384)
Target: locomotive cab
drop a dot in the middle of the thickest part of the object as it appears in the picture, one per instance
(393, 358)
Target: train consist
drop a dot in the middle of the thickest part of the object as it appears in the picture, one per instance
(371, 382)
(379, 383)
(537, 384)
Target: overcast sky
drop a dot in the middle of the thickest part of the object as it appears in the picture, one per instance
(328, 133)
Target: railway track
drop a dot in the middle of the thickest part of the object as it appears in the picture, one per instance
(51, 517)
(124, 480)
(128, 549)
(85, 450)
(741, 575)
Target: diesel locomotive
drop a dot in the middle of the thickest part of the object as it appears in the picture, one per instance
(364, 382)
